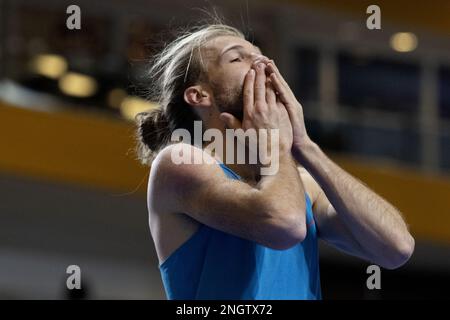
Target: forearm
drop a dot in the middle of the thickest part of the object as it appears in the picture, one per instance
(376, 224)
(282, 188)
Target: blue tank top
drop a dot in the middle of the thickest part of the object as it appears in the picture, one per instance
(213, 264)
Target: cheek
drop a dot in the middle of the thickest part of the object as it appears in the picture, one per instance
(239, 77)
(233, 78)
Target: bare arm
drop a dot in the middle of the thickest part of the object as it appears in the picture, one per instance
(203, 192)
(355, 218)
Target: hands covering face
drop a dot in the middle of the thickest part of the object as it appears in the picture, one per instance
(269, 103)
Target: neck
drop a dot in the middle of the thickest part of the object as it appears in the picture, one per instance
(248, 172)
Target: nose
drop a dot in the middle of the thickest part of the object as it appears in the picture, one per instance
(259, 58)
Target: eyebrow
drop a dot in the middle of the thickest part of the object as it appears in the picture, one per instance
(237, 46)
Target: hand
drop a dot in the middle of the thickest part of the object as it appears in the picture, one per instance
(261, 110)
(294, 108)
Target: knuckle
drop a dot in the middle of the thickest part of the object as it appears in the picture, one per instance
(258, 116)
(247, 93)
(260, 106)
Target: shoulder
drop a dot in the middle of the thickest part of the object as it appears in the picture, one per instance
(182, 162)
(177, 169)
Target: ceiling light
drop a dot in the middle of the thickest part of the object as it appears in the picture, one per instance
(77, 85)
(404, 42)
(49, 65)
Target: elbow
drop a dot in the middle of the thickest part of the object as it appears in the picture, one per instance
(284, 223)
(402, 252)
(287, 232)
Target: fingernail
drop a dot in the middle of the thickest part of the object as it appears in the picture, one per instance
(261, 65)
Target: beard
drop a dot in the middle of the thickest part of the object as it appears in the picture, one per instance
(229, 100)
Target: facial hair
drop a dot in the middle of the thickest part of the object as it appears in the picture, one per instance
(229, 100)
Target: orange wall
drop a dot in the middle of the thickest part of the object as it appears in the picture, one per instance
(96, 150)
(83, 148)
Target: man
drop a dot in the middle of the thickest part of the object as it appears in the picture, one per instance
(224, 231)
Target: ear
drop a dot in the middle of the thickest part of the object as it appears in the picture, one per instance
(196, 96)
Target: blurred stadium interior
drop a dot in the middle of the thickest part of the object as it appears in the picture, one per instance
(72, 192)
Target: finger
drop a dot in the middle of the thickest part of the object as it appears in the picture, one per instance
(260, 59)
(279, 87)
(271, 98)
(248, 95)
(271, 67)
(231, 122)
(260, 84)
(283, 96)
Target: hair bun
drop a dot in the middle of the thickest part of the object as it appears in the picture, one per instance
(153, 133)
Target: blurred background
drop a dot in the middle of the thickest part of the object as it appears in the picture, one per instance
(72, 192)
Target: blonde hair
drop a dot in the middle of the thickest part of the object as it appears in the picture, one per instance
(178, 66)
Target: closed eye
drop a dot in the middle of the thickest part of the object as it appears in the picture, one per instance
(236, 60)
